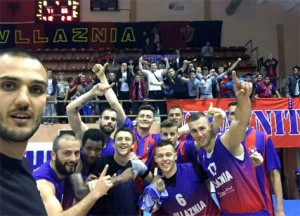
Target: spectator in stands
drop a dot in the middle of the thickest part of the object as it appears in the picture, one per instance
(249, 78)
(266, 89)
(259, 77)
(206, 80)
(178, 63)
(193, 85)
(138, 92)
(123, 78)
(61, 97)
(86, 109)
(155, 92)
(207, 54)
(224, 91)
(180, 90)
(270, 65)
(51, 91)
(72, 87)
(148, 47)
(158, 49)
(154, 34)
(81, 79)
(292, 86)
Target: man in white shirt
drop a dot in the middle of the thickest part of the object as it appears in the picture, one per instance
(155, 92)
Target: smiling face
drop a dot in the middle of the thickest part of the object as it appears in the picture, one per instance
(201, 131)
(165, 158)
(171, 134)
(176, 115)
(108, 121)
(123, 143)
(23, 85)
(67, 156)
(91, 150)
(145, 119)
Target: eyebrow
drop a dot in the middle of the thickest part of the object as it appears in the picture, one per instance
(10, 78)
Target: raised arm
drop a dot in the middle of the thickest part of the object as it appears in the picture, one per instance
(145, 72)
(184, 66)
(167, 66)
(233, 66)
(110, 95)
(53, 206)
(73, 108)
(220, 76)
(233, 137)
(161, 83)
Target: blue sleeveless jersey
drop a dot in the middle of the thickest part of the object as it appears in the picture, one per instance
(189, 195)
(45, 172)
(236, 187)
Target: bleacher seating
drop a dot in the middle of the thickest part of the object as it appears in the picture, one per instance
(81, 59)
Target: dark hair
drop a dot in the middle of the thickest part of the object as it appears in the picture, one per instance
(95, 135)
(108, 109)
(168, 123)
(296, 67)
(138, 74)
(163, 143)
(56, 141)
(195, 116)
(126, 130)
(233, 103)
(192, 71)
(69, 79)
(17, 52)
(175, 107)
(147, 107)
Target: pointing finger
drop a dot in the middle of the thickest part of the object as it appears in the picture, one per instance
(234, 78)
(104, 171)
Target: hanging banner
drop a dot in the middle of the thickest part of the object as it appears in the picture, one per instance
(279, 118)
(172, 35)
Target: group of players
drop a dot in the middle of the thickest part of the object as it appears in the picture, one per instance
(78, 182)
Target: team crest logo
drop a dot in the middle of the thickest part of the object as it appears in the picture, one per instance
(187, 34)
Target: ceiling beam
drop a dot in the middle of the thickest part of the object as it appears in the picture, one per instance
(232, 6)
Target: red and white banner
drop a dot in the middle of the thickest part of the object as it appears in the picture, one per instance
(279, 118)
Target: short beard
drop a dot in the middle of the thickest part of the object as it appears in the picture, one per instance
(62, 169)
(106, 130)
(14, 136)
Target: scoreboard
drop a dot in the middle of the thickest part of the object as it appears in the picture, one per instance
(57, 11)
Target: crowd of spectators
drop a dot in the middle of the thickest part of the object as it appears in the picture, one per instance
(141, 82)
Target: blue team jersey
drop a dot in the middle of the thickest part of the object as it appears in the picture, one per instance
(264, 145)
(188, 197)
(45, 172)
(109, 148)
(236, 187)
(186, 152)
(185, 137)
